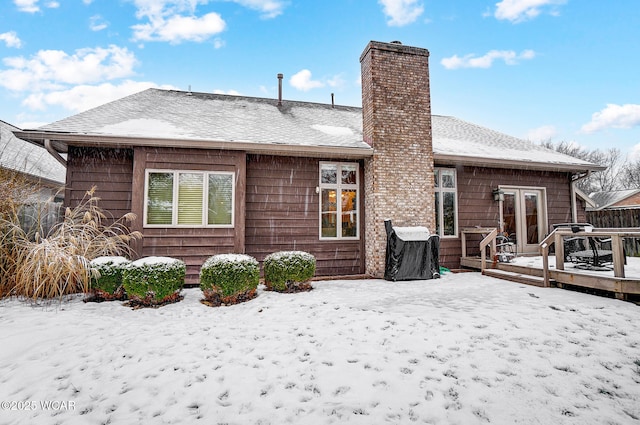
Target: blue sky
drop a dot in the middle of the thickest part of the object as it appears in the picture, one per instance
(560, 70)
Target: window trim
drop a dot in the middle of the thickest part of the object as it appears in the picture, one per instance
(438, 191)
(205, 200)
(339, 186)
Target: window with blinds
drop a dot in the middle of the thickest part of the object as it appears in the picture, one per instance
(189, 199)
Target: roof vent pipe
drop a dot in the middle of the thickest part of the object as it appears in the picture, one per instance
(332, 101)
(280, 76)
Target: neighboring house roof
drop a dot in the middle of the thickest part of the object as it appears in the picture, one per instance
(27, 158)
(158, 117)
(589, 203)
(603, 200)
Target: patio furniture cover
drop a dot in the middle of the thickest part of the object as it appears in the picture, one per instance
(412, 253)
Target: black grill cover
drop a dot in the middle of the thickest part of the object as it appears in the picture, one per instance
(413, 258)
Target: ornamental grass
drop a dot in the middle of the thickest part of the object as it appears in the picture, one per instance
(36, 266)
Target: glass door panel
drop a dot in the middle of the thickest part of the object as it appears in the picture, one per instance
(531, 201)
(523, 217)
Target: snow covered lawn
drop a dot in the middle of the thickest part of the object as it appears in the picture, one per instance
(463, 349)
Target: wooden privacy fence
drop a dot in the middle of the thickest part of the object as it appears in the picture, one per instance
(40, 217)
(619, 219)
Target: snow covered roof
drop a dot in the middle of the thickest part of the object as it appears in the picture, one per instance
(232, 122)
(19, 155)
(603, 200)
(156, 117)
(461, 141)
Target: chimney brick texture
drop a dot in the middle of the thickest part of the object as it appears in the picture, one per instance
(396, 109)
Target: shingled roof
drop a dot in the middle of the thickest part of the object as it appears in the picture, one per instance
(605, 199)
(27, 158)
(185, 119)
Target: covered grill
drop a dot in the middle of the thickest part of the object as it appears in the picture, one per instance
(412, 253)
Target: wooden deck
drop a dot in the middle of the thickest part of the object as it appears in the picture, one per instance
(557, 274)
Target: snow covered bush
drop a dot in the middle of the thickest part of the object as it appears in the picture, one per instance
(154, 280)
(229, 279)
(289, 271)
(106, 278)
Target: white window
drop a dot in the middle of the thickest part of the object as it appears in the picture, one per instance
(446, 202)
(339, 201)
(189, 199)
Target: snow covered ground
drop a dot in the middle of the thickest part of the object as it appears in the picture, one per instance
(464, 349)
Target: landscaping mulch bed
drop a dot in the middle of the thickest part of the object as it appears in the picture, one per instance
(149, 302)
(291, 288)
(214, 299)
(98, 296)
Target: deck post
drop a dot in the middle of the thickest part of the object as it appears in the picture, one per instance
(463, 239)
(544, 250)
(559, 241)
(617, 251)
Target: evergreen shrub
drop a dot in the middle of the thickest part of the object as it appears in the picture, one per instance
(229, 279)
(289, 271)
(107, 273)
(154, 280)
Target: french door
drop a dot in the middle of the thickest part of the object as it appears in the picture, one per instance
(524, 216)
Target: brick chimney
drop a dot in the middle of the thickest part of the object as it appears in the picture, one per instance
(396, 109)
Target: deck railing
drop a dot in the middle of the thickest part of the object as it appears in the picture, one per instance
(557, 237)
(489, 239)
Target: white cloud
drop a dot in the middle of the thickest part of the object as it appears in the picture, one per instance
(269, 8)
(97, 23)
(523, 10)
(231, 92)
(83, 97)
(614, 116)
(336, 81)
(634, 153)
(219, 43)
(542, 134)
(11, 39)
(31, 6)
(302, 81)
(53, 69)
(177, 28)
(401, 12)
(175, 21)
(471, 61)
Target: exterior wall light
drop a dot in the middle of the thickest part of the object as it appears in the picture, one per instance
(498, 194)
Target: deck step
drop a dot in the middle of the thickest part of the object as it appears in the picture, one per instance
(514, 277)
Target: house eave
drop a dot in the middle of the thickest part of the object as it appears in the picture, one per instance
(445, 159)
(61, 142)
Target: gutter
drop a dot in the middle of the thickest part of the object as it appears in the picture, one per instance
(574, 207)
(54, 153)
(490, 162)
(69, 139)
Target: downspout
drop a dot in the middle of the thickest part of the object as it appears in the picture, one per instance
(54, 153)
(574, 206)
